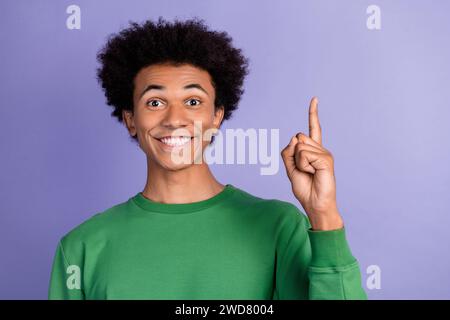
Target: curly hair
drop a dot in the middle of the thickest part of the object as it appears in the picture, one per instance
(191, 42)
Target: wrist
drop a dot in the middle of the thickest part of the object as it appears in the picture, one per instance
(326, 222)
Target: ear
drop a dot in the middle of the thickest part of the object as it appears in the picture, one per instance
(128, 118)
(218, 116)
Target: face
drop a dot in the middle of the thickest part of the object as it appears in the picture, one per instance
(173, 113)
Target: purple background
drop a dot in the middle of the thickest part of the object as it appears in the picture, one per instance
(384, 110)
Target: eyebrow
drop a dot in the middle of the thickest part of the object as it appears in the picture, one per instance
(159, 87)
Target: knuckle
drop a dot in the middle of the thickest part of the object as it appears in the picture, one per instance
(330, 158)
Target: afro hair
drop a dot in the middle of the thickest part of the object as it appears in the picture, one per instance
(190, 41)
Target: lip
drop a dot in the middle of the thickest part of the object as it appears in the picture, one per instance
(166, 147)
(171, 137)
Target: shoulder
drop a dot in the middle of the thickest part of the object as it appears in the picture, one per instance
(97, 226)
(277, 208)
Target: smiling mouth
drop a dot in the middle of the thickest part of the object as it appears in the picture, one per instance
(175, 141)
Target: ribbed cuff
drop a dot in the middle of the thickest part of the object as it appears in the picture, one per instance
(330, 248)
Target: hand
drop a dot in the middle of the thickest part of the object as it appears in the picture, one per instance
(310, 168)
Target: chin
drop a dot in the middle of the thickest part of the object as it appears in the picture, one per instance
(171, 166)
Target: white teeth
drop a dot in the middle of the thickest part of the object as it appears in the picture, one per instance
(175, 141)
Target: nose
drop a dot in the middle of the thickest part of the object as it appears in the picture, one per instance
(175, 117)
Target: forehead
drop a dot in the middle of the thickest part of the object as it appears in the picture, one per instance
(170, 75)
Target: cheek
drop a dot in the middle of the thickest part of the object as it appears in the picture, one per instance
(207, 124)
(145, 122)
(207, 118)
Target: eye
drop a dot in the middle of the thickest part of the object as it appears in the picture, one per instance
(154, 103)
(194, 105)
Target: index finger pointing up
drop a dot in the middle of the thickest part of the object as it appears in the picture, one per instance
(315, 131)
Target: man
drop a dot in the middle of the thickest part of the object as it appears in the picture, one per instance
(186, 235)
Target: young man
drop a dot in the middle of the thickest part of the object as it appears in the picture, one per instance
(186, 235)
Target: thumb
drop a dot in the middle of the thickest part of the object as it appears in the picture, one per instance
(288, 153)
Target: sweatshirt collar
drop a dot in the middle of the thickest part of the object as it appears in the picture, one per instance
(149, 205)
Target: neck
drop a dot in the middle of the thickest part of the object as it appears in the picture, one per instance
(192, 184)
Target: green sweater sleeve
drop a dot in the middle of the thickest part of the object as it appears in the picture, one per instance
(65, 279)
(315, 264)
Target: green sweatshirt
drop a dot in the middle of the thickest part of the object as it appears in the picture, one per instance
(231, 246)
